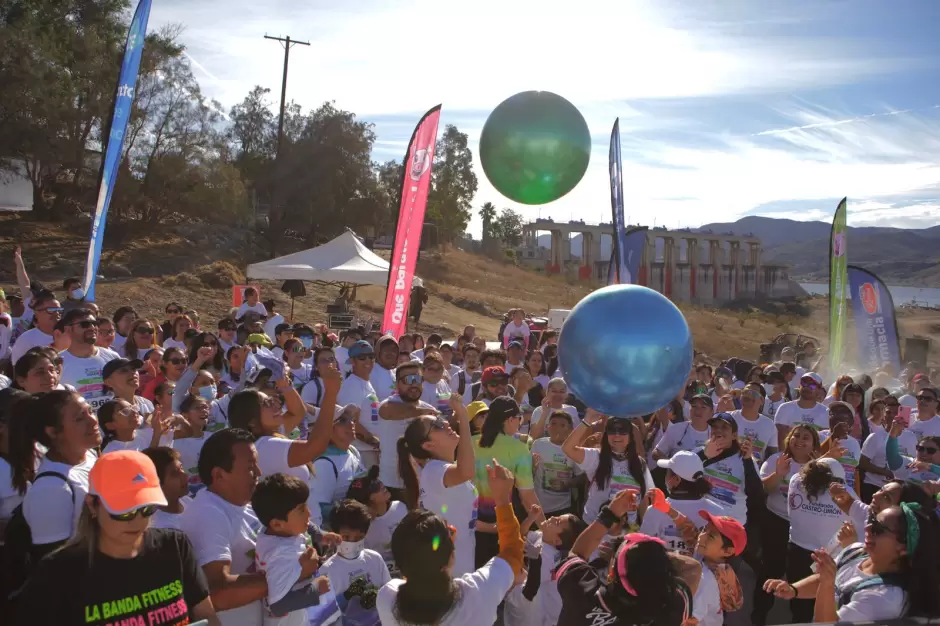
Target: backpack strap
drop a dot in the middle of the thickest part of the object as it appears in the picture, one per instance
(61, 477)
(461, 382)
(332, 464)
(319, 384)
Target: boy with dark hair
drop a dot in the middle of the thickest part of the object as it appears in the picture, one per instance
(386, 513)
(174, 481)
(553, 540)
(722, 538)
(282, 551)
(353, 560)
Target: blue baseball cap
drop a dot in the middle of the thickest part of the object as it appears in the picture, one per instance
(360, 348)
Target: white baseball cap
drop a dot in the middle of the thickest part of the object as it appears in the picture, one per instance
(684, 464)
(834, 466)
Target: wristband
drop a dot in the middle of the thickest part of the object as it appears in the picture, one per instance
(607, 518)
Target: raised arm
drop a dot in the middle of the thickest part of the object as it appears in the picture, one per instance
(571, 448)
(318, 439)
(463, 469)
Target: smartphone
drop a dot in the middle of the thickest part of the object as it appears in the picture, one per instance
(904, 415)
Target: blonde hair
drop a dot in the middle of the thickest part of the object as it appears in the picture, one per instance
(86, 534)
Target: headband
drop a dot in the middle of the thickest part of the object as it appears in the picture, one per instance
(913, 526)
(628, 542)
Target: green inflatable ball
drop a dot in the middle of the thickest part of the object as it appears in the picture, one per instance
(535, 147)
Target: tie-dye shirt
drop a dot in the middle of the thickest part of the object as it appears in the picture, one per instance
(511, 454)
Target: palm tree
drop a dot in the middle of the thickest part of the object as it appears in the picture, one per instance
(488, 215)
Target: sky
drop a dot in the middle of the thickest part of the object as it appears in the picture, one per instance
(727, 108)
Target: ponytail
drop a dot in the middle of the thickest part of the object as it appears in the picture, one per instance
(407, 472)
(29, 418)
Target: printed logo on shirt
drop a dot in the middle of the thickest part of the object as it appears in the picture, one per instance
(556, 474)
(163, 606)
(374, 399)
(725, 486)
(796, 501)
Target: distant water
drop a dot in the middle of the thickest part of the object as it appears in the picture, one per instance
(924, 296)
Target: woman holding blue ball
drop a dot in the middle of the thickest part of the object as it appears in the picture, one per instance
(616, 467)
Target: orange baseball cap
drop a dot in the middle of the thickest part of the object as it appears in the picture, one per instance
(125, 481)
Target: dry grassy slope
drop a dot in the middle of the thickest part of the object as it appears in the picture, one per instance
(464, 289)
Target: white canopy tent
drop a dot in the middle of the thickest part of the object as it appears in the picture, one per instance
(344, 260)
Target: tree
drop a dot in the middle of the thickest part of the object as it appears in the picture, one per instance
(508, 228)
(453, 184)
(488, 215)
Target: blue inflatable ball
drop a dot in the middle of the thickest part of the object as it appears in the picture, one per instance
(625, 350)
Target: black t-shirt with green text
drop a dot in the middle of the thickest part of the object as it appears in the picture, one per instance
(158, 587)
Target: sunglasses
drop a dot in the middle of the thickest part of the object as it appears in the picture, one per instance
(145, 511)
(298, 350)
(411, 379)
(498, 381)
(926, 399)
(926, 450)
(173, 311)
(127, 412)
(143, 331)
(618, 428)
(176, 361)
(53, 310)
(366, 357)
(227, 329)
(809, 385)
(86, 323)
(877, 528)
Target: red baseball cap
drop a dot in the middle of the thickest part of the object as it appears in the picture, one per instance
(730, 528)
(493, 372)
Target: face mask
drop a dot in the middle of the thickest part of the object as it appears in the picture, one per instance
(208, 392)
(350, 549)
(77, 294)
(306, 341)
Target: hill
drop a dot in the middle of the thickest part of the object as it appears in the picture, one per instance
(899, 256)
(153, 266)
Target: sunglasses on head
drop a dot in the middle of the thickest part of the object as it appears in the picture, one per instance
(926, 449)
(411, 379)
(145, 511)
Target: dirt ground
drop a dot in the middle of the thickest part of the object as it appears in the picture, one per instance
(149, 269)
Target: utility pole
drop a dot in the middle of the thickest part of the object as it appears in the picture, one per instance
(287, 42)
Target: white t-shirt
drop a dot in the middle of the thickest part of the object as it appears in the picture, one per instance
(727, 481)
(849, 459)
(771, 406)
(516, 331)
(706, 605)
(119, 341)
(10, 497)
(190, 448)
(301, 375)
(143, 437)
(777, 499)
(279, 559)
(271, 325)
(85, 375)
(567, 408)
(379, 537)
(762, 432)
(174, 521)
(383, 382)
(333, 473)
(50, 507)
(547, 599)
(437, 395)
(342, 356)
(554, 476)
(790, 414)
(813, 523)
(360, 392)
(221, 531)
(620, 479)
(659, 524)
(478, 596)
(926, 428)
(682, 436)
(457, 505)
(881, 602)
(173, 343)
(874, 449)
(388, 432)
(30, 339)
(342, 571)
(257, 308)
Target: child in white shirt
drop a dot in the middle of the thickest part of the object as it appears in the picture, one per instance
(251, 304)
(283, 553)
(355, 568)
(553, 540)
(386, 515)
(719, 590)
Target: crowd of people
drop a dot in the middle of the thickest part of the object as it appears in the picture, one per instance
(259, 471)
